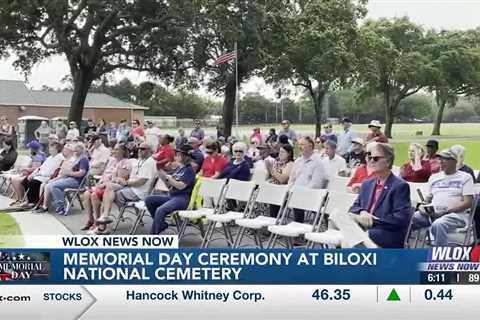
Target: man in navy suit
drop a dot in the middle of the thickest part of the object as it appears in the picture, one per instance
(383, 205)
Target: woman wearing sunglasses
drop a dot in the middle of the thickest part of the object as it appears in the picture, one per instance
(238, 168)
(214, 163)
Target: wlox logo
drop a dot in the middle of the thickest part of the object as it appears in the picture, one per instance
(21, 266)
(450, 254)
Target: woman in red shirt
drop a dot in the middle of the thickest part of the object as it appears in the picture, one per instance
(214, 162)
(137, 130)
(165, 153)
(416, 170)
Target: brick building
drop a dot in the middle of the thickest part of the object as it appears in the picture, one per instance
(16, 101)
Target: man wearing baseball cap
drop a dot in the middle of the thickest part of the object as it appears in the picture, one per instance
(197, 155)
(345, 138)
(449, 196)
(375, 134)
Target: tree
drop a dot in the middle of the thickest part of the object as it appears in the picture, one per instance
(316, 49)
(455, 66)
(255, 108)
(393, 63)
(253, 25)
(98, 37)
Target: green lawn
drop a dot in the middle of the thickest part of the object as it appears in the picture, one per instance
(10, 235)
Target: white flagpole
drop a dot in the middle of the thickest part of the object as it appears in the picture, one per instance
(236, 84)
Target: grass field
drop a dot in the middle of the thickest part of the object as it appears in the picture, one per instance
(9, 232)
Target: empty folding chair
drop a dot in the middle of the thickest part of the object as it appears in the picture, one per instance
(209, 188)
(301, 198)
(236, 190)
(337, 183)
(341, 202)
(267, 194)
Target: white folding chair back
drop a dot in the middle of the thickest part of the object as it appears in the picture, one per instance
(396, 171)
(239, 190)
(341, 201)
(414, 186)
(211, 187)
(307, 199)
(337, 183)
(270, 193)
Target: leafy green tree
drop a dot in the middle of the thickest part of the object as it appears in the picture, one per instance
(316, 49)
(253, 25)
(455, 57)
(393, 62)
(98, 37)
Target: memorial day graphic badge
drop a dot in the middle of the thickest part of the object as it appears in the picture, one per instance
(24, 267)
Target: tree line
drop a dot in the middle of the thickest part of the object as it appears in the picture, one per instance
(317, 45)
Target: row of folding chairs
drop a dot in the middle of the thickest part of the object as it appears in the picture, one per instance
(251, 221)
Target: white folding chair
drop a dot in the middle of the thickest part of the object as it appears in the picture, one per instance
(337, 183)
(302, 198)
(396, 171)
(209, 188)
(341, 202)
(236, 190)
(267, 194)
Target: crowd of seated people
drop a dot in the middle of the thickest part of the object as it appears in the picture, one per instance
(114, 166)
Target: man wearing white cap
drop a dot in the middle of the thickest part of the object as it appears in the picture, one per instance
(357, 154)
(375, 134)
(450, 195)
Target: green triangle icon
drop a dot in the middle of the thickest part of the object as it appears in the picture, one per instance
(393, 296)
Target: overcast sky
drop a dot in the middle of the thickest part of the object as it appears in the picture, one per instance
(438, 14)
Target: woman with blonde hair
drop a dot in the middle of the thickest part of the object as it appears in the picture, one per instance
(416, 169)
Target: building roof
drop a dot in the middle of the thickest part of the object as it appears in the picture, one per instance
(15, 93)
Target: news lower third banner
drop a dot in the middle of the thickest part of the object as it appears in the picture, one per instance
(149, 277)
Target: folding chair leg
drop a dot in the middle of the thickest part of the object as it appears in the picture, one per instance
(208, 234)
(239, 237)
(200, 227)
(228, 234)
(137, 222)
(183, 226)
(258, 240)
(272, 240)
(289, 242)
(119, 218)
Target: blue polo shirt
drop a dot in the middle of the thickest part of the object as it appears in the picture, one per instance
(186, 175)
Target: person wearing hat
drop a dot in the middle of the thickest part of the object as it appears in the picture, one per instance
(345, 138)
(36, 153)
(180, 185)
(461, 166)
(197, 155)
(449, 196)
(375, 134)
(152, 134)
(165, 154)
(99, 155)
(329, 135)
(417, 169)
(431, 155)
(356, 156)
(72, 132)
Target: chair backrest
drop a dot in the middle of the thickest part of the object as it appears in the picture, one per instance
(270, 193)
(340, 201)
(414, 186)
(337, 183)
(259, 175)
(239, 190)
(211, 187)
(396, 171)
(306, 198)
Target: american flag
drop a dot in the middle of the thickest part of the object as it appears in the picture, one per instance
(227, 57)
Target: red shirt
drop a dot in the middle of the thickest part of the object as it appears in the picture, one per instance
(434, 165)
(410, 175)
(375, 197)
(213, 164)
(163, 153)
(137, 132)
(379, 137)
(360, 175)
